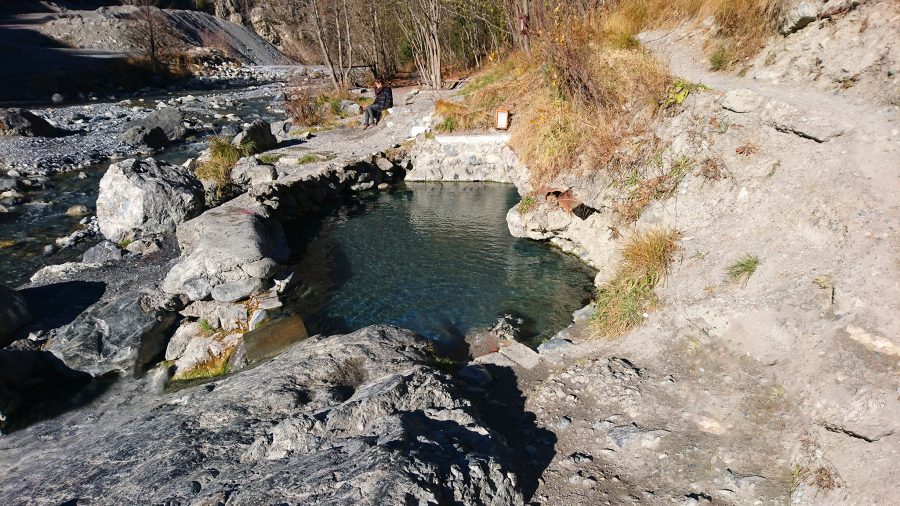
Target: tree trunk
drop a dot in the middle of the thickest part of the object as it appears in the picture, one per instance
(320, 35)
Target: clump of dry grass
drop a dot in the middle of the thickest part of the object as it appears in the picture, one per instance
(223, 157)
(587, 94)
(301, 106)
(741, 25)
(565, 92)
(309, 108)
(645, 190)
(622, 302)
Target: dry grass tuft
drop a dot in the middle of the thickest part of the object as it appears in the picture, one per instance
(622, 302)
(223, 157)
(318, 109)
(742, 26)
(565, 92)
(587, 95)
(645, 189)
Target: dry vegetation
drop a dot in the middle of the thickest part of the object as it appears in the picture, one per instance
(223, 157)
(587, 78)
(622, 302)
(311, 109)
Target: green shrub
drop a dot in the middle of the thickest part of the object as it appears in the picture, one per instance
(741, 270)
(269, 159)
(719, 59)
(527, 203)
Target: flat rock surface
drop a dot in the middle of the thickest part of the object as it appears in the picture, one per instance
(353, 419)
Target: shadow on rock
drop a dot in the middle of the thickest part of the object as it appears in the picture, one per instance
(35, 386)
(59, 304)
(502, 407)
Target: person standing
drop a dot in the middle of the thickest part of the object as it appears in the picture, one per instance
(384, 99)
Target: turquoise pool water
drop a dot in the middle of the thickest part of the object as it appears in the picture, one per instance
(436, 258)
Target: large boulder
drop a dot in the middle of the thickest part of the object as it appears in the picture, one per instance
(140, 135)
(228, 253)
(102, 253)
(121, 333)
(21, 122)
(169, 119)
(250, 172)
(144, 197)
(259, 133)
(14, 314)
(361, 418)
(282, 129)
(798, 17)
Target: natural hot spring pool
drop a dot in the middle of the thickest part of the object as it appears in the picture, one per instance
(436, 258)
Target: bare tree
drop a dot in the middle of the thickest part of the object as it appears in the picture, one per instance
(151, 34)
(332, 25)
(420, 21)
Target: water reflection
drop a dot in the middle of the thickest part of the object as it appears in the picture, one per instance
(434, 258)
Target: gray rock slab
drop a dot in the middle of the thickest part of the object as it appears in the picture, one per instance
(353, 419)
(741, 101)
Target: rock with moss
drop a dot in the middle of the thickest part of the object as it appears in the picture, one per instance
(208, 355)
(364, 417)
(146, 197)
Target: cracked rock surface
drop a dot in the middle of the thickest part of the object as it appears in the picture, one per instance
(353, 419)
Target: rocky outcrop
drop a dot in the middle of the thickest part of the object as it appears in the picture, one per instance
(102, 253)
(250, 172)
(143, 136)
(259, 133)
(798, 17)
(21, 122)
(354, 419)
(14, 314)
(169, 119)
(145, 197)
(121, 333)
(228, 252)
(466, 158)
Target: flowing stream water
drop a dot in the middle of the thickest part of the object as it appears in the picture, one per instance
(436, 258)
(29, 227)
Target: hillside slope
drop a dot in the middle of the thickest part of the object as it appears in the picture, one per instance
(105, 28)
(778, 388)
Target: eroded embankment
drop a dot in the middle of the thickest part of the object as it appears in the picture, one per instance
(766, 370)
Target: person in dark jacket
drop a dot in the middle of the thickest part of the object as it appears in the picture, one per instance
(384, 99)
